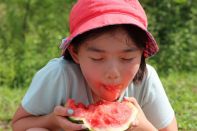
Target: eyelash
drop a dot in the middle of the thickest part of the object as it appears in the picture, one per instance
(123, 59)
(97, 59)
(129, 59)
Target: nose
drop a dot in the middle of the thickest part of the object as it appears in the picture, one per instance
(112, 72)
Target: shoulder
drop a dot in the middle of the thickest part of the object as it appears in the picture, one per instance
(146, 88)
(151, 72)
(151, 80)
(151, 77)
(150, 86)
(155, 96)
(58, 66)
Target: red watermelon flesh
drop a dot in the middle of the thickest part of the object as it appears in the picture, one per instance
(104, 115)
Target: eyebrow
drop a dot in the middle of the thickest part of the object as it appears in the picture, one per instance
(132, 49)
(93, 49)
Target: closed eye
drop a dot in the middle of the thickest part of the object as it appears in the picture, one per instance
(97, 59)
(127, 59)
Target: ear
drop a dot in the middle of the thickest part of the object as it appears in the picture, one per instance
(73, 53)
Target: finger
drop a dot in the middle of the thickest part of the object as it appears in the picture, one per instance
(68, 125)
(62, 111)
(132, 100)
(135, 123)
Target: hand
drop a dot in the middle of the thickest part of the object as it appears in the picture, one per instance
(141, 123)
(58, 118)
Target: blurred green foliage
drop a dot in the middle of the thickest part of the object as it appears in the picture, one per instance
(173, 23)
(31, 31)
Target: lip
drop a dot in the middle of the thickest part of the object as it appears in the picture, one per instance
(113, 87)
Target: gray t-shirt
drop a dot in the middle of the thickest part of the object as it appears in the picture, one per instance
(61, 79)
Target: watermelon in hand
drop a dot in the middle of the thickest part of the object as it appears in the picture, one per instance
(104, 115)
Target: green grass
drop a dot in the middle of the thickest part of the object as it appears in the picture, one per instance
(182, 92)
(9, 101)
(181, 89)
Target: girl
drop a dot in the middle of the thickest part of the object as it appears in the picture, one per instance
(102, 59)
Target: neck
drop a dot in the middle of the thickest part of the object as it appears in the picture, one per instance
(95, 97)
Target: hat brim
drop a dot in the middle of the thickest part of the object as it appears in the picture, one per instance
(112, 19)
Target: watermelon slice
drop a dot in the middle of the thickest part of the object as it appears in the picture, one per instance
(104, 115)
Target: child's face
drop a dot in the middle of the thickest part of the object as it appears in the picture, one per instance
(108, 63)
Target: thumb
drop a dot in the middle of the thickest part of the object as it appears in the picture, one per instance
(132, 100)
(135, 123)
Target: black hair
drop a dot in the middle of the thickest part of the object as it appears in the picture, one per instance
(138, 35)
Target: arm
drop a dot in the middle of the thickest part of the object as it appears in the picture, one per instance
(23, 120)
(156, 105)
(56, 120)
(171, 127)
(142, 123)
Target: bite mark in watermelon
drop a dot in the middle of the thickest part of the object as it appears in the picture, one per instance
(104, 115)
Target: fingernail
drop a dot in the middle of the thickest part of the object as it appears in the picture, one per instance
(70, 111)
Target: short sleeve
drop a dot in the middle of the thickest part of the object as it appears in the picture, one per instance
(156, 105)
(47, 89)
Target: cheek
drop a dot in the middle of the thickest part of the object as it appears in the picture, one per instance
(131, 71)
(90, 73)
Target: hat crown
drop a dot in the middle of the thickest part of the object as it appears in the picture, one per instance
(84, 10)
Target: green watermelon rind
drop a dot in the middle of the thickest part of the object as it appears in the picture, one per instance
(78, 120)
(75, 120)
(121, 128)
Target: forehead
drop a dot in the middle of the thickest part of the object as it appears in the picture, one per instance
(118, 35)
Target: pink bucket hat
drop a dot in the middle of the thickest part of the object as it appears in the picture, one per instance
(90, 14)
